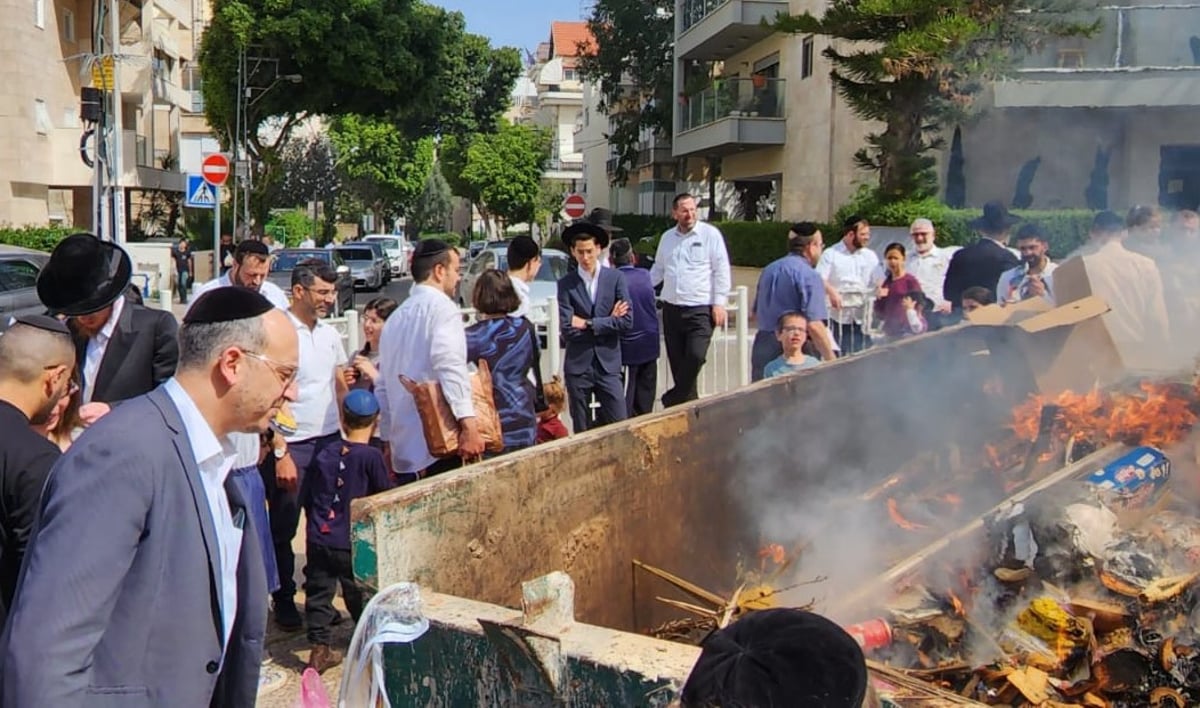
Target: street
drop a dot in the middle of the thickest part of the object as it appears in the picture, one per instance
(397, 290)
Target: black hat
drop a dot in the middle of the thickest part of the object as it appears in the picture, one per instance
(779, 657)
(585, 227)
(227, 304)
(604, 219)
(84, 275)
(995, 219)
(250, 246)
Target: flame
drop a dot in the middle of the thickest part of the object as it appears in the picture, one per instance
(898, 518)
(957, 604)
(772, 552)
(1158, 415)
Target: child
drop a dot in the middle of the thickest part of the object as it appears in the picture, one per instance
(975, 298)
(338, 474)
(791, 331)
(550, 427)
(898, 300)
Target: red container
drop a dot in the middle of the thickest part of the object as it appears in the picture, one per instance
(871, 635)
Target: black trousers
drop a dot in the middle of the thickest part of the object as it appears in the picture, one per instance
(326, 568)
(641, 383)
(850, 338)
(765, 349)
(609, 394)
(687, 333)
(284, 508)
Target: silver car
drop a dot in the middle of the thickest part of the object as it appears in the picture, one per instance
(544, 285)
(398, 251)
(366, 267)
(19, 270)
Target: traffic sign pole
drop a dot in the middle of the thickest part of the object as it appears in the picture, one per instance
(217, 236)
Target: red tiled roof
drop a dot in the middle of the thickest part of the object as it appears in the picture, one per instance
(565, 38)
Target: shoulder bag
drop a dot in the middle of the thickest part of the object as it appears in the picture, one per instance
(438, 421)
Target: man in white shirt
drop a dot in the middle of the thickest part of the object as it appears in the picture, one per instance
(928, 263)
(524, 258)
(424, 340)
(251, 263)
(320, 385)
(692, 265)
(308, 243)
(848, 268)
(1034, 277)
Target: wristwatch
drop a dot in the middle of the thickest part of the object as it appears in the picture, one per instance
(588, 323)
(280, 452)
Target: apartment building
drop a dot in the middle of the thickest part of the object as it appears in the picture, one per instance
(552, 98)
(45, 52)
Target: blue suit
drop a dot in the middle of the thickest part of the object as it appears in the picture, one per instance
(593, 356)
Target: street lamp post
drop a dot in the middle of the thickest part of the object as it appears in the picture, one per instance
(245, 100)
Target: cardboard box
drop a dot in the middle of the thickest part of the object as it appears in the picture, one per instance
(1132, 481)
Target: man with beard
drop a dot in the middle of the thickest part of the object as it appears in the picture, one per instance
(36, 361)
(1034, 277)
(142, 583)
(981, 263)
(929, 262)
(848, 268)
(250, 265)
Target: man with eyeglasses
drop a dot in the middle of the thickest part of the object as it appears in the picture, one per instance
(36, 361)
(321, 385)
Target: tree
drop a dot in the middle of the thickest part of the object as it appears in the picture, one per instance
(916, 64)
(633, 65)
(384, 169)
(309, 175)
(499, 172)
(956, 176)
(433, 207)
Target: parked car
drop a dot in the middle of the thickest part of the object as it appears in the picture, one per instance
(366, 267)
(380, 253)
(285, 260)
(19, 270)
(399, 251)
(474, 248)
(544, 285)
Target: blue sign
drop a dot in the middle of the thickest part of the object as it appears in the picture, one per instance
(201, 194)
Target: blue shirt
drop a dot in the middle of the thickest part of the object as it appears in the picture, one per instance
(640, 345)
(506, 343)
(780, 366)
(340, 472)
(789, 284)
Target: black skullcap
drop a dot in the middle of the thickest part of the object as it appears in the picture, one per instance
(775, 658)
(429, 247)
(227, 304)
(250, 246)
(50, 324)
(620, 251)
(1107, 222)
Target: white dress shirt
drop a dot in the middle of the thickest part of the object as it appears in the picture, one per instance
(96, 347)
(851, 274)
(590, 280)
(424, 339)
(522, 289)
(321, 353)
(929, 269)
(1015, 281)
(215, 458)
(269, 290)
(693, 267)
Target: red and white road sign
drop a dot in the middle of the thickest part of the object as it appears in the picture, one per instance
(574, 206)
(215, 169)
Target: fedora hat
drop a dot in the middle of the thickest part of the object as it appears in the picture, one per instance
(84, 275)
(573, 232)
(603, 218)
(995, 219)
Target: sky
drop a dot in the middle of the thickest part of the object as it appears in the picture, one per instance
(517, 23)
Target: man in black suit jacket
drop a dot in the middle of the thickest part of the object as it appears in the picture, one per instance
(593, 309)
(123, 350)
(981, 263)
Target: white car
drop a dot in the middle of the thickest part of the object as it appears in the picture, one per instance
(544, 285)
(398, 249)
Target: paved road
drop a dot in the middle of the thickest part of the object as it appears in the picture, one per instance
(397, 290)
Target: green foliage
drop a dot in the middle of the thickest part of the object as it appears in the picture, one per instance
(638, 226)
(754, 243)
(449, 237)
(433, 207)
(39, 238)
(501, 171)
(633, 65)
(473, 87)
(914, 65)
(290, 227)
(382, 167)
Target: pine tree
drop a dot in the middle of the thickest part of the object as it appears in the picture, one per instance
(914, 65)
(956, 174)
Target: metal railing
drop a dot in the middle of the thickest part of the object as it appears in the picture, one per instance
(728, 363)
(737, 97)
(1130, 38)
(693, 11)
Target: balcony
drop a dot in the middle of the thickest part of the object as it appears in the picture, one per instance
(610, 166)
(167, 93)
(176, 9)
(1142, 56)
(654, 153)
(710, 30)
(733, 115)
(139, 170)
(569, 167)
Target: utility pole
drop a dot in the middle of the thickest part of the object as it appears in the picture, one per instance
(116, 155)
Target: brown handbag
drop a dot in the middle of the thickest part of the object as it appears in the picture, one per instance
(438, 421)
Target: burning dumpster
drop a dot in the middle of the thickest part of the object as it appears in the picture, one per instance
(882, 484)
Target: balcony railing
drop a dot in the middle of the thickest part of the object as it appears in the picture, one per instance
(692, 11)
(735, 98)
(1131, 38)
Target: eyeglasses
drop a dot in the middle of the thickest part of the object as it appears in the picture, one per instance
(285, 373)
(793, 330)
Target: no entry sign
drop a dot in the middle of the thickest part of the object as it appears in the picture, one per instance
(574, 206)
(215, 169)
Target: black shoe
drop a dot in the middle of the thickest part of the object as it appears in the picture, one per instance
(287, 617)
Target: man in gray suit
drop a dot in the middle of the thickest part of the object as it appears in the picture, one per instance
(142, 583)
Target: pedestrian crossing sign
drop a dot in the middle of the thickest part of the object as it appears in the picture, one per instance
(201, 194)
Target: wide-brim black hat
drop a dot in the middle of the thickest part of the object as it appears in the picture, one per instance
(995, 219)
(604, 219)
(84, 275)
(573, 231)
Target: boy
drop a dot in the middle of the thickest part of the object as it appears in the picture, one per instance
(791, 331)
(550, 427)
(975, 298)
(338, 474)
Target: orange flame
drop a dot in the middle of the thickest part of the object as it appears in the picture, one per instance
(1159, 415)
(772, 552)
(898, 518)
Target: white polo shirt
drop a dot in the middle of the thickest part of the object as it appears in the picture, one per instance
(321, 353)
(930, 268)
(272, 292)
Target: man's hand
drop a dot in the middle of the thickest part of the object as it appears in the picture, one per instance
(835, 298)
(470, 440)
(578, 322)
(287, 477)
(719, 316)
(1037, 286)
(91, 412)
(620, 309)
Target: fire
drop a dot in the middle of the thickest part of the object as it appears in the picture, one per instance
(898, 518)
(1158, 415)
(772, 552)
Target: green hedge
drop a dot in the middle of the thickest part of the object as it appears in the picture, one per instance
(638, 226)
(39, 238)
(450, 237)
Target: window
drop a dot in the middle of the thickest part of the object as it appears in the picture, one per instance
(68, 26)
(17, 275)
(41, 117)
(569, 74)
(806, 58)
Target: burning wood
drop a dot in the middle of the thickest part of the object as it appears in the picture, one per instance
(1157, 414)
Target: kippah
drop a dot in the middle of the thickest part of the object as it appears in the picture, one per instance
(361, 403)
(227, 304)
(258, 248)
(620, 248)
(430, 247)
(50, 324)
(779, 657)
